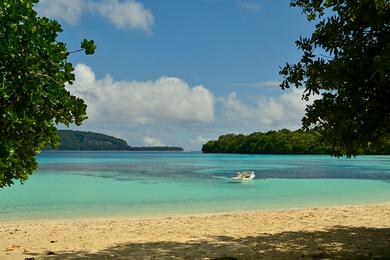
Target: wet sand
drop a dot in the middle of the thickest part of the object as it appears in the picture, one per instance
(348, 232)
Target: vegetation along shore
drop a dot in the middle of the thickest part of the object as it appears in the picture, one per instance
(280, 142)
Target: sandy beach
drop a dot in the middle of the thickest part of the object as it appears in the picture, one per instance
(337, 232)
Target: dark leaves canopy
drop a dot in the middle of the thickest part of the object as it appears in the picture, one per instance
(33, 99)
(347, 62)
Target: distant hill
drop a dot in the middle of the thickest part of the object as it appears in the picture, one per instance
(80, 140)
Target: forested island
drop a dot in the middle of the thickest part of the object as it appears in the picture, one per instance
(278, 142)
(80, 140)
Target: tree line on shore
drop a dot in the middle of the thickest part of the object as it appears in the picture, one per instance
(279, 142)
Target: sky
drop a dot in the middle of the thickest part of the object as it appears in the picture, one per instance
(180, 73)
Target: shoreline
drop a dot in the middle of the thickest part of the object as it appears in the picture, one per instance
(120, 217)
(345, 231)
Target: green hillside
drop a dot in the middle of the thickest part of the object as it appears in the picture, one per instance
(80, 140)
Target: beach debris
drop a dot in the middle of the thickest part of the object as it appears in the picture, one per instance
(29, 258)
(50, 253)
(53, 241)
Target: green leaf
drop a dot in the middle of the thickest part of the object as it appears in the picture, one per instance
(89, 46)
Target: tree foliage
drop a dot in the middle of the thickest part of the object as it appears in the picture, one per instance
(279, 142)
(347, 61)
(33, 99)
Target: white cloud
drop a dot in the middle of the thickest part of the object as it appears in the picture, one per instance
(268, 84)
(268, 112)
(199, 140)
(167, 100)
(150, 141)
(128, 14)
(66, 10)
(261, 84)
(122, 14)
(251, 6)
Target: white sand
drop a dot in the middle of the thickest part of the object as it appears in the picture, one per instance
(346, 232)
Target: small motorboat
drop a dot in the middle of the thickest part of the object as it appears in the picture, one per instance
(244, 176)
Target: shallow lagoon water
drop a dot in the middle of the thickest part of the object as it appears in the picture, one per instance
(100, 184)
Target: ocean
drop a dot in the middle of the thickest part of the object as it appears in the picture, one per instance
(81, 184)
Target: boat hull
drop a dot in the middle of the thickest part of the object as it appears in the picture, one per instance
(239, 178)
(241, 181)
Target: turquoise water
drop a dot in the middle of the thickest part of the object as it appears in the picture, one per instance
(98, 184)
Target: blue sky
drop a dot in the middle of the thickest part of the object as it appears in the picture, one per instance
(177, 72)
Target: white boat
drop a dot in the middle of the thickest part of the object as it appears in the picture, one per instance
(244, 176)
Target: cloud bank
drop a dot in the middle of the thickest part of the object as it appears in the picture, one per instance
(284, 111)
(68, 11)
(168, 111)
(125, 14)
(122, 14)
(150, 141)
(168, 100)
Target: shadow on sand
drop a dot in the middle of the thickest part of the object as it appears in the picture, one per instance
(338, 242)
